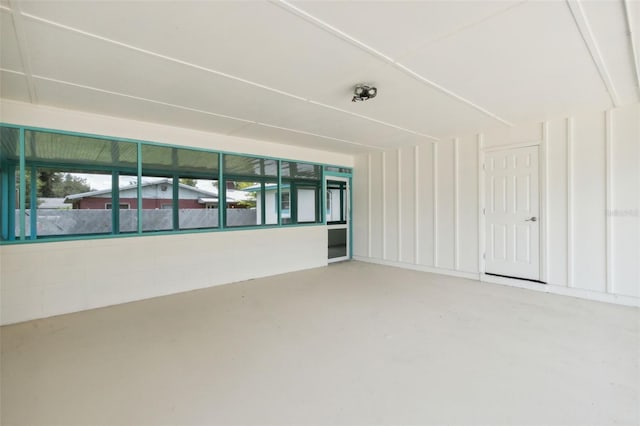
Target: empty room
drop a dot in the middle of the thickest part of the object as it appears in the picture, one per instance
(320, 212)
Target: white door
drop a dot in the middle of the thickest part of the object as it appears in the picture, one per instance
(337, 216)
(512, 213)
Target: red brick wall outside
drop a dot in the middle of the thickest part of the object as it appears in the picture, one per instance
(149, 204)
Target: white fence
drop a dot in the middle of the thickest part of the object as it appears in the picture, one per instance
(75, 222)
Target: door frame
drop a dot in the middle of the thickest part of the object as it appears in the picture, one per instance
(542, 200)
(347, 178)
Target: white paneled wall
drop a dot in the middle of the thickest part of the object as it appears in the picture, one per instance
(422, 203)
(624, 204)
(588, 178)
(466, 204)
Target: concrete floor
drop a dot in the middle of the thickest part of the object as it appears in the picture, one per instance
(353, 343)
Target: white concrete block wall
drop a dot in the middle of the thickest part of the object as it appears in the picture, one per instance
(591, 162)
(45, 279)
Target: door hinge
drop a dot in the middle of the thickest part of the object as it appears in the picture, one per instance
(484, 256)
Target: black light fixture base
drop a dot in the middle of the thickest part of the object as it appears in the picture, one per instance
(363, 92)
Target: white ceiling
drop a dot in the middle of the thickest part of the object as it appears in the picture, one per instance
(285, 71)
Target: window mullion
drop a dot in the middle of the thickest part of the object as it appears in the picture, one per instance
(115, 202)
(176, 201)
(263, 198)
(293, 202)
(8, 194)
(33, 204)
(279, 194)
(139, 189)
(23, 186)
(222, 204)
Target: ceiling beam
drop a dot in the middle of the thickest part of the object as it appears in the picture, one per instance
(385, 58)
(21, 38)
(302, 132)
(244, 122)
(587, 35)
(632, 42)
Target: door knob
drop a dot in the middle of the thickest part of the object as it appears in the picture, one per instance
(531, 219)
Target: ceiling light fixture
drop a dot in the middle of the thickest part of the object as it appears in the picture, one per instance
(363, 92)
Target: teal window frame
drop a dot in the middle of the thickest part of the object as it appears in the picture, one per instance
(295, 182)
(293, 185)
(10, 168)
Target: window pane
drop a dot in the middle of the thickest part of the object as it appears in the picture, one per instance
(295, 170)
(285, 207)
(196, 185)
(79, 150)
(157, 203)
(198, 203)
(9, 144)
(73, 203)
(249, 166)
(336, 207)
(242, 206)
(27, 198)
(271, 204)
(335, 169)
(337, 243)
(128, 203)
(307, 205)
(182, 161)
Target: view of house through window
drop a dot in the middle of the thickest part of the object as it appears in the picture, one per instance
(301, 183)
(242, 206)
(83, 185)
(68, 202)
(179, 188)
(198, 203)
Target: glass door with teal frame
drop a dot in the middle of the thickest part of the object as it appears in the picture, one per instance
(337, 215)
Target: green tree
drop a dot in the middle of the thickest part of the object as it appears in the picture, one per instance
(250, 203)
(188, 181)
(51, 184)
(242, 185)
(69, 184)
(48, 184)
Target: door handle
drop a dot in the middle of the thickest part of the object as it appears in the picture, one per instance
(531, 219)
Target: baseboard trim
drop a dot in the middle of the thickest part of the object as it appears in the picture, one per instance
(550, 288)
(564, 291)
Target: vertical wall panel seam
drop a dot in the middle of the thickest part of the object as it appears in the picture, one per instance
(481, 206)
(544, 197)
(570, 253)
(456, 205)
(399, 229)
(608, 202)
(369, 195)
(416, 207)
(384, 204)
(435, 204)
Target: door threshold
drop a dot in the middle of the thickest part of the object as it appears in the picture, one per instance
(515, 278)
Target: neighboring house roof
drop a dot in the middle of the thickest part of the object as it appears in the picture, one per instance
(235, 195)
(210, 196)
(52, 203)
(267, 187)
